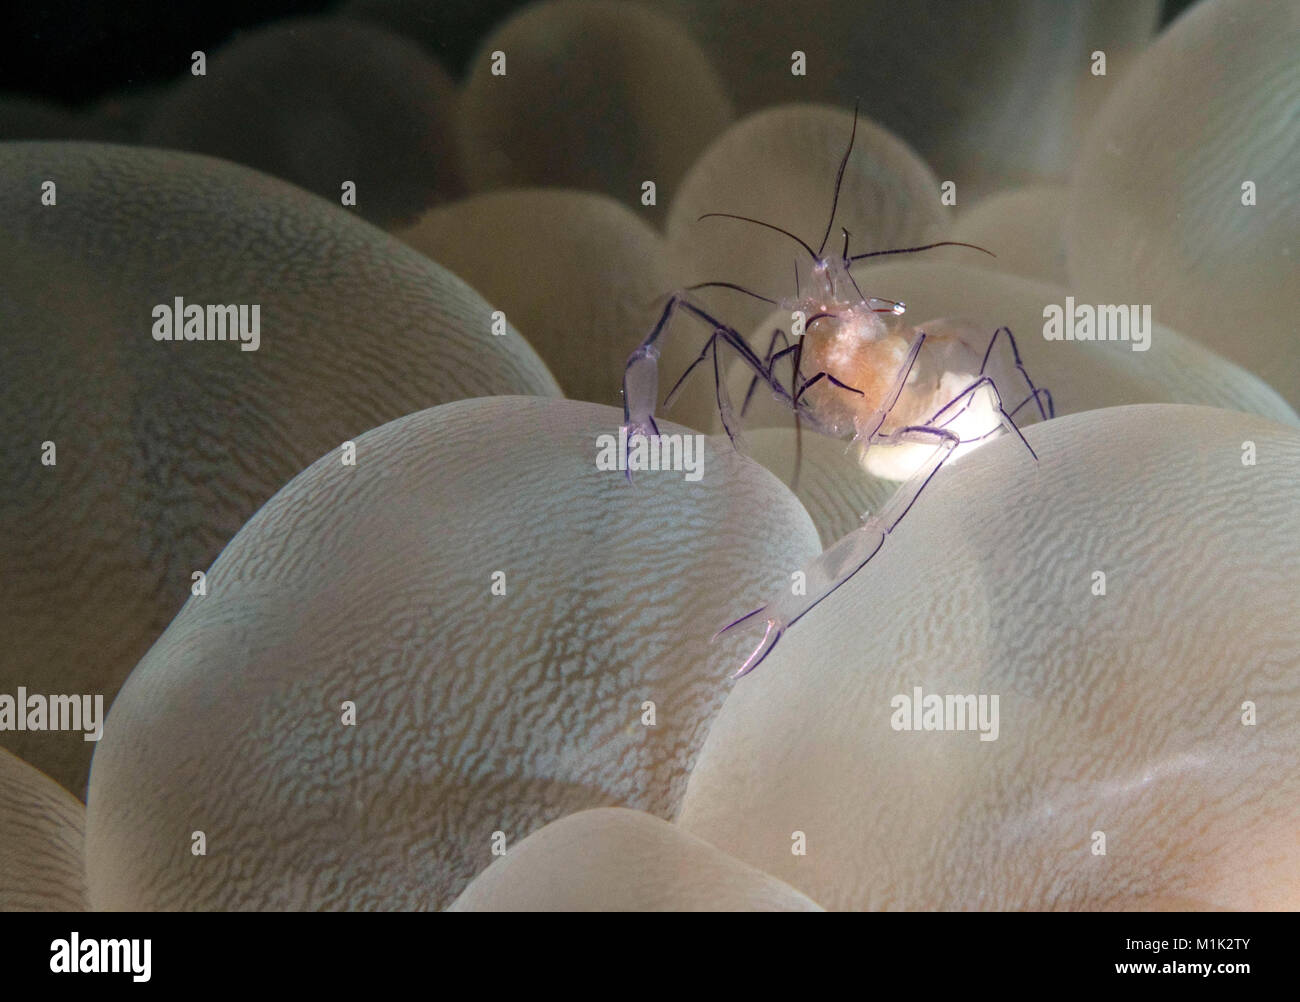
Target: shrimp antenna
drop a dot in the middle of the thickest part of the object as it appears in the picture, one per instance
(913, 250)
(759, 222)
(839, 180)
(729, 285)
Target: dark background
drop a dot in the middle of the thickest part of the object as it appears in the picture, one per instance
(75, 51)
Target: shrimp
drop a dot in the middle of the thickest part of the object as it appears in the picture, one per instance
(907, 398)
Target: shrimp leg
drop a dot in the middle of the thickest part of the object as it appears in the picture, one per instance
(641, 375)
(845, 558)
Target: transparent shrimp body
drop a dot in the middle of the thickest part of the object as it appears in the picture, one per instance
(908, 398)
